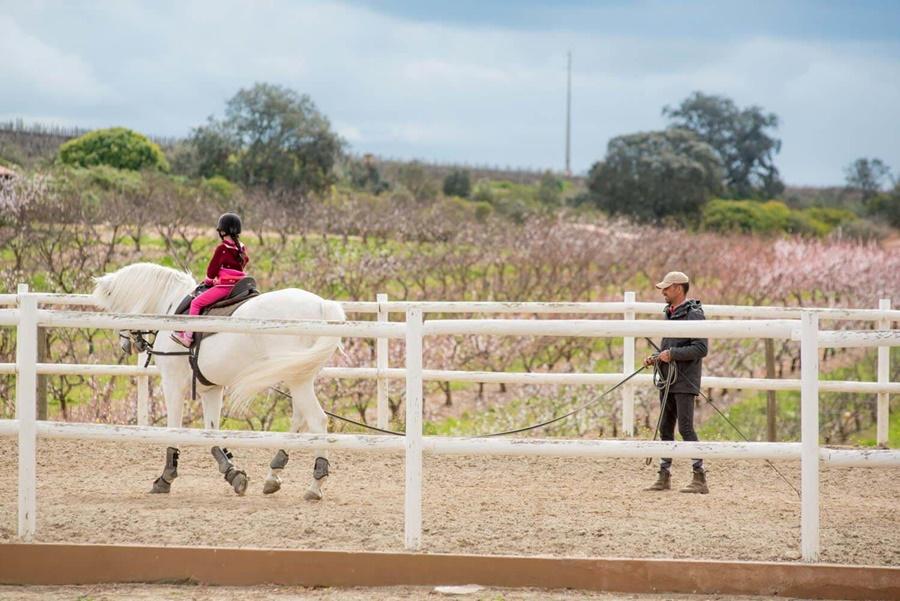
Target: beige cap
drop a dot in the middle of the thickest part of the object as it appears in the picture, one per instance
(673, 277)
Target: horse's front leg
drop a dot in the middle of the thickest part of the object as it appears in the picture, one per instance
(174, 391)
(212, 414)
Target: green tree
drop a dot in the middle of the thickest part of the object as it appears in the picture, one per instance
(271, 136)
(654, 175)
(457, 183)
(116, 147)
(741, 137)
(868, 176)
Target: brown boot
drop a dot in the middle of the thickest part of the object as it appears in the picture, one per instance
(697, 485)
(663, 482)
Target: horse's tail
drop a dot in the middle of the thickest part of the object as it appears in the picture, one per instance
(290, 366)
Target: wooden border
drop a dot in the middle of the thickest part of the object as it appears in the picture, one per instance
(63, 564)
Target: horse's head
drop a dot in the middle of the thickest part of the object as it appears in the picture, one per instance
(141, 288)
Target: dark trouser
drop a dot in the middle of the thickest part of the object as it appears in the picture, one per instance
(679, 407)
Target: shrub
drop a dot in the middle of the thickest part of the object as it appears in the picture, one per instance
(750, 216)
(800, 222)
(483, 210)
(116, 147)
(220, 187)
(550, 190)
(831, 216)
(457, 183)
(483, 191)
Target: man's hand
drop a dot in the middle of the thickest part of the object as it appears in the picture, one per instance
(665, 356)
(650, 360)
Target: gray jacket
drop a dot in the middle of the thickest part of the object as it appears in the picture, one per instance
(688, 353)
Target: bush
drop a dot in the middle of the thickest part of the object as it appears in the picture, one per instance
(220, 188)
(750, 216)
(830, 216)
(734, 216)
(104, 177)
(116, 147)
(457, 183)
(483, 210)
(801, 222)
(483, 191)
(550, 190)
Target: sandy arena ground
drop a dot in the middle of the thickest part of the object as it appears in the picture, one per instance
(275, 593)
(92, 492)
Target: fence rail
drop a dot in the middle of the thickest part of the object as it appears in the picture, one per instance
(26, 317)
(883, 317)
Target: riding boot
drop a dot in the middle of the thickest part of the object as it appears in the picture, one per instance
(663, 482)
(163, 484)
(697, 485)
(185, 339)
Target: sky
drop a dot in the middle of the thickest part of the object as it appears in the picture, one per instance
(469, 82)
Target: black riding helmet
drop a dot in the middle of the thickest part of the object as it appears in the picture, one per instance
(229, 225)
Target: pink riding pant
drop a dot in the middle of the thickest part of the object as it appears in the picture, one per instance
(214, 294)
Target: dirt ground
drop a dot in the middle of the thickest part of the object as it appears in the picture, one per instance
(210, 593)
(90, 492)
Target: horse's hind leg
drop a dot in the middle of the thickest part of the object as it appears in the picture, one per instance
(307, 405)
(279, 461)
(212, 414)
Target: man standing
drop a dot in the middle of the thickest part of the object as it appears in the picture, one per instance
(687, 355)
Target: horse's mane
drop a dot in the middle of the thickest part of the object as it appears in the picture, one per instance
(142, 288)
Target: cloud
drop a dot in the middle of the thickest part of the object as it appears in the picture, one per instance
(31, 66)
(451, 91)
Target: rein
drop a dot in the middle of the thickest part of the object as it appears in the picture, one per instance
(145, 346)
(492, 434)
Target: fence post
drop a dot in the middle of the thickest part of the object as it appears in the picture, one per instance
(627, 368)
(42, 354)
(771, 404)
(381, 366)
(26, 409)
(413, 438)
(884, 358)
(143, 394)
(809, 436)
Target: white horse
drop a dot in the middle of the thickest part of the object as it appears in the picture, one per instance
(244, 363)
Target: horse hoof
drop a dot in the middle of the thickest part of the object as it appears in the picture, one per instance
(240, 484)
(312, 494)
(271, 485)
(160, 486)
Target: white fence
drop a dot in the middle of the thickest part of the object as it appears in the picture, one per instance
(778, 322)
(382, 373)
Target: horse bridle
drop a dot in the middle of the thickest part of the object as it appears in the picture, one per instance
(134, 340)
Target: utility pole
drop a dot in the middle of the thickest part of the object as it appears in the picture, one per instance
(569, 116)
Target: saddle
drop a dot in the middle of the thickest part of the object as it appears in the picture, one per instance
(243, 290)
